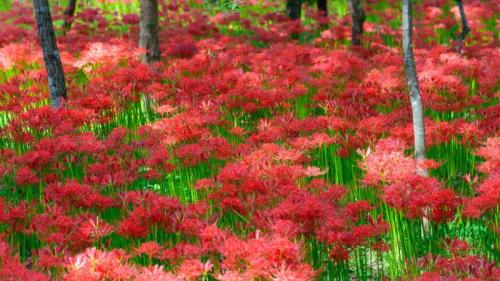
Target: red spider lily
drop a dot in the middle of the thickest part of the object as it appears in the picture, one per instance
(57, 227)
(422, 197)
(130, 19)
(284, 272)
(12, 269)
(183, 48)
(215, 148)
(156, 273)
(487, 197)
(136, 225)
(94, 264)
(15, 215)
(282, 104)
(490, 151)
(204, 184)
(339, 253)
(95, 229)
(150, 249)
(193, 269)
(258, 256)
(387, 162)
(460, 263)
(25, 176)
(73, 194)
(211, 237)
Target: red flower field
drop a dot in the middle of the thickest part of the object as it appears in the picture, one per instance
(256, 148)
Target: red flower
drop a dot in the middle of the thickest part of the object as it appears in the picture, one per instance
(150, 249)
(130, 19)
(25, 176)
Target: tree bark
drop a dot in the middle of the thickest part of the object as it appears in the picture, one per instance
(413, 87)
(148, 35)
(69, 14)
(294, 9)
(51, 57)
(358, 19)
(322, 7)
(465, 26)
(323, 13)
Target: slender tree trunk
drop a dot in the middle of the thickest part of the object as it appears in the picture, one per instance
(465, 26)
(148, 36)
(415, 98)
(412, 81)
(358, 19)
(294, 9)
(323, 12)
(322, 7)
(69, 14)
(51, 57)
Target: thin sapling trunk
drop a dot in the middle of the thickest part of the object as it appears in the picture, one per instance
(51, 57)
(415, 98)
(69, 14)
(465, 26)
(358, 19)
(148, 35)
(294, 9)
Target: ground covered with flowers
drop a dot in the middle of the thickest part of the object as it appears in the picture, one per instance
(246, 154)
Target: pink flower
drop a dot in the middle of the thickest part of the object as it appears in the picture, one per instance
(193, 269)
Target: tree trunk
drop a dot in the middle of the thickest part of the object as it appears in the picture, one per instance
(69, 14)
(294, 9)
(322, 7)
(413, 87)
(358, 18)
(415, 98)
(51, 57)
(148, 36)
(465, 26)
(323, 13)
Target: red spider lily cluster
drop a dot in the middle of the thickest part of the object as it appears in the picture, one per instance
(459, 264)
(69, 177)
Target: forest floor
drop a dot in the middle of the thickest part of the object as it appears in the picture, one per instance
(256, 149)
